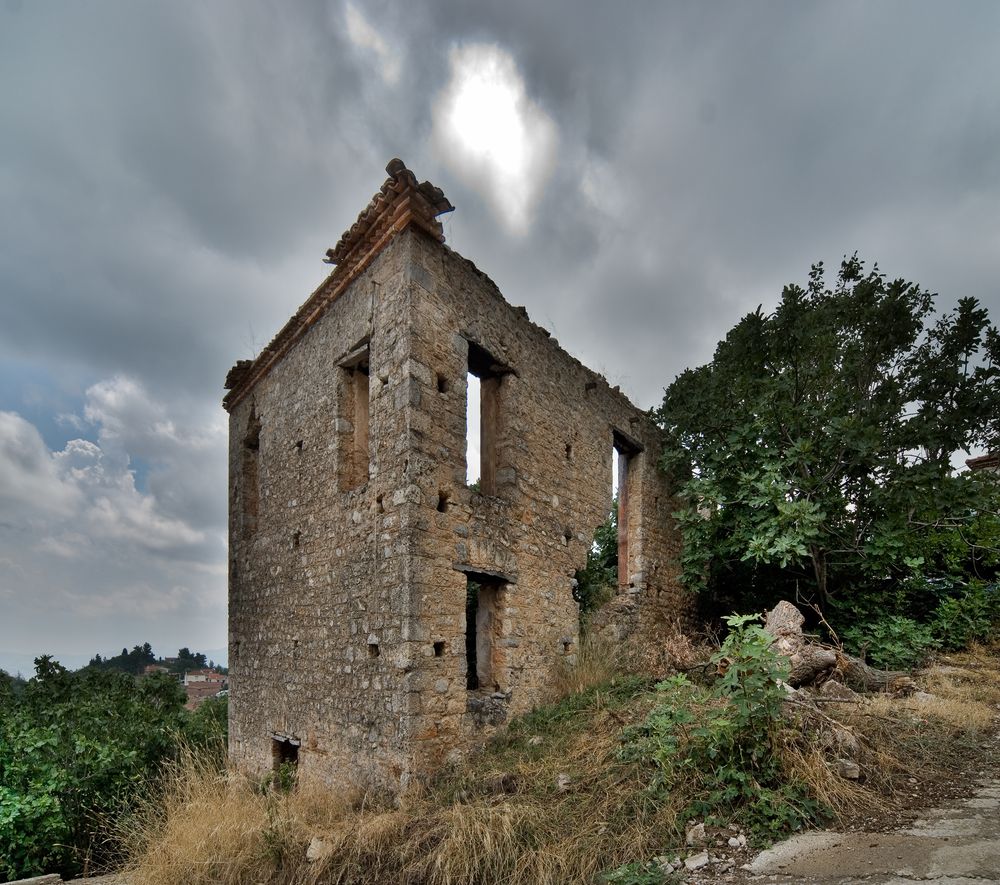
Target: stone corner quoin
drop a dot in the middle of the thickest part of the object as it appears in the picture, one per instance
(385, 617)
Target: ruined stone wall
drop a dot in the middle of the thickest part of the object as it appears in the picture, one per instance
(348, 580)
(315, 604)
(555, 425)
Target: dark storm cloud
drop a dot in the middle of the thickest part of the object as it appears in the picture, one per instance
(171, 175)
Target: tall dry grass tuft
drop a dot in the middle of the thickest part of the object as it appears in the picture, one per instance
(176, 836)
(597, 661)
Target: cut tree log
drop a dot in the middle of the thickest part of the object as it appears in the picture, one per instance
(807, 661)
(811, 662)
(858, 675)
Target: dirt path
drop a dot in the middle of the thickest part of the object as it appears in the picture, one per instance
(955, 844)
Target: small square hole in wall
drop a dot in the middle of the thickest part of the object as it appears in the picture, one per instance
(379, 505)
(298, 445)
(284, 752)
(567, 646)
(296, 538)
(442, 505)
(442, 384)
(439, 649)
(373, 650)
(569, 451)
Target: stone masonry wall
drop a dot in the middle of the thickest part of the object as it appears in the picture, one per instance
(348, 580)
(556, 424)
(315, 589)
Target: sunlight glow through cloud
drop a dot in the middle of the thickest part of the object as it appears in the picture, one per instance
(492, 133)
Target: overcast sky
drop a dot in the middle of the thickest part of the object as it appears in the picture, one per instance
(638, 175)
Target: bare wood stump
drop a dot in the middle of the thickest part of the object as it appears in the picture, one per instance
(809, 661)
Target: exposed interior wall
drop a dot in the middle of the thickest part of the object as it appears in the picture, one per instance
(549, 426)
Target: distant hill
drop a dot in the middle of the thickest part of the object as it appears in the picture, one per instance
(142, 656)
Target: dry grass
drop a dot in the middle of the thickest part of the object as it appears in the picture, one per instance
(506, 819)
(810, 766)
(596, 662)
(549, 800)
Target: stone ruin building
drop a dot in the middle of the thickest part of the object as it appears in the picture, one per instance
(357, 650)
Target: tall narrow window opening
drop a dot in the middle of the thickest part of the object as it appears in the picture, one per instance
(484, 599)
(250, 485)
(354, 386)
(360, 455)
(472, 431)
(624, 456)
(483, 423)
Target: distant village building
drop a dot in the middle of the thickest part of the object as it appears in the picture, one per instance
(989, 462)
(385, 616)
(201, 684)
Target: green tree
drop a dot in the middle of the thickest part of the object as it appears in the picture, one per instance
(75, 748)
(814, 451)
(596, 583)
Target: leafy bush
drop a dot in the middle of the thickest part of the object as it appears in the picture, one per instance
(893, 642)
(596, 583)
(75, 751)
(960, 620)
(721, 741)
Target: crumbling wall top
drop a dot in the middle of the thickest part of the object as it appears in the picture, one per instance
(401, 202)
(400, 196)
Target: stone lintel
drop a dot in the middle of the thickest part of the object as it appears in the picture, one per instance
(476, 572)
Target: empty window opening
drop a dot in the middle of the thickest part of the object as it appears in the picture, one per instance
(373, 650)
(482, 418)
(483, 633)
(442, 384)
(296, 538)
(624, 456)
(360, 465)
(597, 582)
(250, 486)
(439, 649)
(442, 505)
(473, 466)
(284, 752)
(356, 392)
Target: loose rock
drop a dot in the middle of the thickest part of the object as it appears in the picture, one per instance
(696, 861)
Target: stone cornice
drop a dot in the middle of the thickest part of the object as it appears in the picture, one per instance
(400, 203)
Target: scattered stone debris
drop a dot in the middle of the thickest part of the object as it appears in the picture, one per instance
(696, 861)
(848, 769)
(317, 850)
(695, 834)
